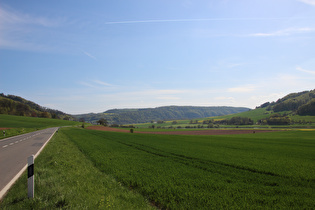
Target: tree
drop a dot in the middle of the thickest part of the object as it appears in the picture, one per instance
(240, 121)
(102, 121)
(277, 119)
(307, 109)
(45, 115)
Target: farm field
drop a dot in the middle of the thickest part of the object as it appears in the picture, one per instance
(13, 121)
(66, 179)
(182, 131)
(262, 170)
(15, 125)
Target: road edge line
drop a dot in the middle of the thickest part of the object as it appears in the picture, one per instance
(39, 151)
(8, 186)
(17, 176)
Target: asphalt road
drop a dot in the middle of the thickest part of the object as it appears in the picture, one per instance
(14, 152)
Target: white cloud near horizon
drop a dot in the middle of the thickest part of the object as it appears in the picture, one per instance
(242, 89)
(304, 70)
(311, 2)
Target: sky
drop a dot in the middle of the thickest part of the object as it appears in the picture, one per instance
(90, 56)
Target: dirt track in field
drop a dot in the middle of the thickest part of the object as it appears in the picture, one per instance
(183, 132)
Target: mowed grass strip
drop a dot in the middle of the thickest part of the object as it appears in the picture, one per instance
(267, 170)
(65, 178)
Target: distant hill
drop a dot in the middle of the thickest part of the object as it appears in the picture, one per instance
(15, 105)
(130, 116)
(302, 103)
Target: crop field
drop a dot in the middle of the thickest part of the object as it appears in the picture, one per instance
(13, 121)
(262, 170)
(15, 125)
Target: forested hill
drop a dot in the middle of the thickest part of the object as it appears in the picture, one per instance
(301, 103)
(130, 116)
(15, 105)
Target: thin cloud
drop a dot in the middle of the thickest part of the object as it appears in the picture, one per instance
(241, 89)
(89, 55)
(96, 84)
(168, 98)
(9, 16)
(102, 83)
(306, 71)
(285, 32)
(17, 28)
(87, 84)
(311, 2)
(194, 20)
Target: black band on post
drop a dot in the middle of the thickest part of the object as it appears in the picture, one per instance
(30, 171)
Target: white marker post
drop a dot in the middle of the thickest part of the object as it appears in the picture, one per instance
(30, 177)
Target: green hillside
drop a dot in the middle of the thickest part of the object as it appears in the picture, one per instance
(130, 116)
(15, 105)
(302, 103)
(295, 109)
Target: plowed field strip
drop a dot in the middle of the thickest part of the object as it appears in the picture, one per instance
(183, 132)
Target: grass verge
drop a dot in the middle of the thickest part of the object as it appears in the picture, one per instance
(65, 178)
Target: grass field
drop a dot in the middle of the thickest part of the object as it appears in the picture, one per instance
(95, 169)
(19, 125)
(65, 178)
(13, 121)
(269, 170)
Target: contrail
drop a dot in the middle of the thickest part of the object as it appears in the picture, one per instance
(199, 20)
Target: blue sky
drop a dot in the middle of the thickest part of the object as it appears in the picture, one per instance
(91, 56)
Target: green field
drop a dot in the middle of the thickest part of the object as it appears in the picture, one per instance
(262, 170)
(241, 171)
(19, 125)
(13, 121)
(66, 179)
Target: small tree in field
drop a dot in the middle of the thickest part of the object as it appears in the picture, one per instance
(102, 121)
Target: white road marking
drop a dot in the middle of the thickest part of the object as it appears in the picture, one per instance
(4, 146)
(11, 144)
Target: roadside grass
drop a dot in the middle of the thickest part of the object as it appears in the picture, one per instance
(12, 121)
(19, 124)
(15, 131)
(65, 178)
(265, 170)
